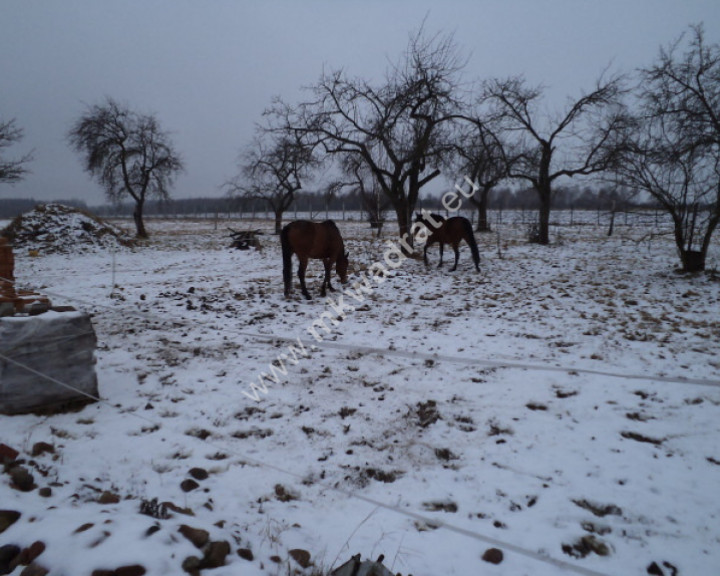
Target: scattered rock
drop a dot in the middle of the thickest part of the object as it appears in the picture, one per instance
(108, 498)
(382, 475)
(283, 494)
(132, 570)
(7, 454)
(8, 554)
(246, 554)
(40, 448)
(35, 570)
(30, 554)
(599, 510)
(356, 566)
(174, 508)
(197, 536)
(191, 565)
(45, 492)
(215, 554)
(7, 519)
(446, 506)
(346, 411)
(198, 473)
(84, 528)
(154, 509)
(300, 556)
(593, 528)
(22, 479)
(585, 546)
(655, 570)
(641, 438)
(536, 406)
(427, 413)
(493, 555)
(445, 454)
(189, 485)
(202, 434)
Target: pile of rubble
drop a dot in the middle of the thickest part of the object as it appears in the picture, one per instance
(55, 228)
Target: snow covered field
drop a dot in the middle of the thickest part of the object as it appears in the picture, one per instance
(562, 406)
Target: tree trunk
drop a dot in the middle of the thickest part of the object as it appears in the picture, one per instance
(482, 225)
(139, 224)
(543, 186)
(693, 260)
(403, 211)
(611, 227)
(278, 221)
(543, 233)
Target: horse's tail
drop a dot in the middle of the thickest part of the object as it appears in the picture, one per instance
(470, 239)
(287, 258)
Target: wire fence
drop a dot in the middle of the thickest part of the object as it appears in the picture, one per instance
(635, 218)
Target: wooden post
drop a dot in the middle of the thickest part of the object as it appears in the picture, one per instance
(8, 297)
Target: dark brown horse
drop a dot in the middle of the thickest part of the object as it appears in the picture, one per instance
(451, 231)
(307, 240)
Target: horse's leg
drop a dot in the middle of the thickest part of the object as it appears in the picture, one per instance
(425, 259)
(456, 248)
(287, 277)
(301, 274)
(441, 253)
(326, 280)
(328, 273)
(429, 242)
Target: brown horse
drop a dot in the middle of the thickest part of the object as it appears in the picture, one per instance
(451, 231)
(313, 240)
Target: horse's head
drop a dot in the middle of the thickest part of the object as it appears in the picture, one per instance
(341, 267)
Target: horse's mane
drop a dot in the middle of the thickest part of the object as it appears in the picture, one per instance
(331, 224)
(419, 217)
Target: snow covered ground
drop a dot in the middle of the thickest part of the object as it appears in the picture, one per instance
(561, 406)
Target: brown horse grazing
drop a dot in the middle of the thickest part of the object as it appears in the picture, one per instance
(451, 231)
(313, 240)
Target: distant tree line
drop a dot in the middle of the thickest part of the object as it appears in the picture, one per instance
(11, 207)
(500, 198)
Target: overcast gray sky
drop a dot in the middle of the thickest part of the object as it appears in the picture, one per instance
(208, 68)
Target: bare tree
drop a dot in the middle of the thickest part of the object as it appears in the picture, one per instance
(398, 129)
(483, 160)
(273, 168)
(12, 170)
(684, 89)
(358, 179)
(675, 151)
(128, 153)
(580, 141)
